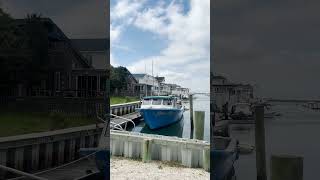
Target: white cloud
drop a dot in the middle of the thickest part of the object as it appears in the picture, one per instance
(114, 33)
(126, 8)
(113, 62)
(186, 59)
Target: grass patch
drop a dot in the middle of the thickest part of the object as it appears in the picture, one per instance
(120, 100)
(16, 123)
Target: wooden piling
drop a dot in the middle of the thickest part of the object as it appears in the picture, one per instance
(260, 143)
(285, 167)
(146, 150)
(206, 159)
(199, 124)
(191, 114)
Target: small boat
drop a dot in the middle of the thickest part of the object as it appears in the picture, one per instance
(161, 111)
(241, 111)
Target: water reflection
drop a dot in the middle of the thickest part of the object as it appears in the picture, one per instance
(175, 129)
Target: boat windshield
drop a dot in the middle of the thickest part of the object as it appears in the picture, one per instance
(167, 102)
(147, 102)
(156, 102)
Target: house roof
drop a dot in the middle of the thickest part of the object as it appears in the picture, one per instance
(218, 77)
(160, 79)
(101, 44)
(139, 75)
(56, 34)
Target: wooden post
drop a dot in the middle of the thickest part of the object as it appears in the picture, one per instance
(146, 150)
(19, 158)
(48, 155)
(285, 167)
(191, 115)
(206, 159)
(35, 157)
(260, 143)
(199, 124)
(3, 161)
(61, 147)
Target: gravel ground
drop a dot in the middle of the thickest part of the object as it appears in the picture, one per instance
(128, 169)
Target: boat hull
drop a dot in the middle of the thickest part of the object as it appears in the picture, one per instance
(158, 118)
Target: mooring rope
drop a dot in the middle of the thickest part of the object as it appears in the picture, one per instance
(58, 167)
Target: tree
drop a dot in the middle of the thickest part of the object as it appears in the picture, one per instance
(119, 78)
(37, 33)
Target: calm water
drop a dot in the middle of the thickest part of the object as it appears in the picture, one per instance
(296, 132)
(182, 128)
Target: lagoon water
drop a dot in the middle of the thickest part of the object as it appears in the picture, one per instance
(296, 132)
(182, 128)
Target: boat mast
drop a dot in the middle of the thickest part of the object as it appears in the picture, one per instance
(152, 79)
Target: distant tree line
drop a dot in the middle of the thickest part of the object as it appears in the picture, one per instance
(119, 78)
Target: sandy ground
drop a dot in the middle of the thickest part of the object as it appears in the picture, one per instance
(125, 169)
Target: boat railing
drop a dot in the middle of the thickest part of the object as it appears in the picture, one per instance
(119, 124)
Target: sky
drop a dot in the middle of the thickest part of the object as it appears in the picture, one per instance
(174, 35)
(77, 19)
(273, 45)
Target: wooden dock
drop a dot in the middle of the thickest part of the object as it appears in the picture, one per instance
(123, 120)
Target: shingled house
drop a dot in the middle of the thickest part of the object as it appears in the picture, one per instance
(38, 59)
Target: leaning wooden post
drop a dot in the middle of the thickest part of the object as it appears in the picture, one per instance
(260, 143)
(199, 124)
(191, 114)
(146, 150)
(285, 167)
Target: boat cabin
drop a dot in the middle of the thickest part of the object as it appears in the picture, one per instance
(160, 102)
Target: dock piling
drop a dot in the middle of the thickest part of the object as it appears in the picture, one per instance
(286, 167)
(191, 114)
(199, 124)
(260, 143)
(146, 150)
(206, 159)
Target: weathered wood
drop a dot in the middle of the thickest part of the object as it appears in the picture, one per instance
(206, 159)
(61, 157)
(18, 158)
(146, 150)
(48, 155)
(72, 150)
(199, 124)
(260, 143)
(191, 114)
(35, 157)
(284, 167)
(3, 161)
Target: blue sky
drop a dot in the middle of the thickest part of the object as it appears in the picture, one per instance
(173, 34)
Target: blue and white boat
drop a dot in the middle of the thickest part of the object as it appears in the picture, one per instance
(161, 111)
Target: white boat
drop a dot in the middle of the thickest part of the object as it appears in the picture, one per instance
(241, 111)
